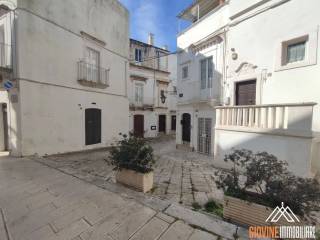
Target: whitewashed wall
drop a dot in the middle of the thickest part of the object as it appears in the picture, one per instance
(257, 41)
(52, 101)
(296, 151)
(256, 36)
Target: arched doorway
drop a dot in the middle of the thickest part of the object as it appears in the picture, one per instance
(186, 127)
(138, 125)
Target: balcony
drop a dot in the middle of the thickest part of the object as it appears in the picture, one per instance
(92, 76)
(199, 8)
(272, 117)
(5, 57)
(192, 93)
(284, 130)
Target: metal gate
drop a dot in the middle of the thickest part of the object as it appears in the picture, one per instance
(204, 135)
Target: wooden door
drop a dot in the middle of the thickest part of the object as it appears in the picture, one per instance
(93, 126)
(5, 126)
(173, 123)
(138, 126)
(186, 127)
(246, 93)
(162, 123)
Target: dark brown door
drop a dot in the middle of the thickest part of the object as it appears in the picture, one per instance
(186, 127)
(246, 93)
(173, 123)
(162, 123)
(138, 126)
(93, 126)
(5, 126)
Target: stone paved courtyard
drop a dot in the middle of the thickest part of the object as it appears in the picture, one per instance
(42, 203)
(180, 176)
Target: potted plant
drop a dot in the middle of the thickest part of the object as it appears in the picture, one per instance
(258, 183)
(133, 160)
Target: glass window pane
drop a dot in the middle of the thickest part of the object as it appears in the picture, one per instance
(185, 72)
(203, 73)
(296, 52)
(210, 72)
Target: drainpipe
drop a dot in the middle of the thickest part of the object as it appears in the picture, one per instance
(224, 74)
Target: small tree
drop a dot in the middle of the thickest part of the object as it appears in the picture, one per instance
(270, 179)
(132, 153)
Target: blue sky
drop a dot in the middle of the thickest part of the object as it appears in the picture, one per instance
(156, 16)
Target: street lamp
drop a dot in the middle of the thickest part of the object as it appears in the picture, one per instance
(163, 97)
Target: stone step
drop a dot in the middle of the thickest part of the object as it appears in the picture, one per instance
(207, 223)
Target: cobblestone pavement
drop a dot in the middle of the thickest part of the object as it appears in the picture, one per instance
(180, 176)
(41, 203)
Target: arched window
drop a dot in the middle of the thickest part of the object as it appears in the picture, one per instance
(93, 126)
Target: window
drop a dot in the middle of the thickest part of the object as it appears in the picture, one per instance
(139, 93)
(296, 52)
(93, 64)
(185, 72)
(158, 58)
(138, 55)
(93, 57)
(3, 62)
(206, 68)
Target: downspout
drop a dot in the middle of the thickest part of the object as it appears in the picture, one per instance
(224, 75)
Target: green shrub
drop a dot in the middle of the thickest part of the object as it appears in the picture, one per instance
(271, 180)
(318, 235)
(132, 153)
(212, 207)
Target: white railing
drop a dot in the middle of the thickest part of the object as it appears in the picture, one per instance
(272, 116)
(93, 73)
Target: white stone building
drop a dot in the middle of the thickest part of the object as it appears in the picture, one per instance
(152, 110)
(68, 61)
(264, 77)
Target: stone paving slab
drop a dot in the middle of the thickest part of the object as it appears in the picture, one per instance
(41, 203)
(3, 228)
(178, 230)
(216, 226)
(179, 176)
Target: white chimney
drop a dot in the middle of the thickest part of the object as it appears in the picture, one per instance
(151, 39)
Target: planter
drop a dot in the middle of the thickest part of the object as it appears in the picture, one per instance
(249, 214)
(140, 181)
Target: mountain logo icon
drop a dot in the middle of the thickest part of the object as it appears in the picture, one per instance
(284, 212)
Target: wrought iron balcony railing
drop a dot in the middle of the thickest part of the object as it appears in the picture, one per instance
(92, 75)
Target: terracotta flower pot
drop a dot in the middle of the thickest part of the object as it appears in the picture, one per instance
(140, 181)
